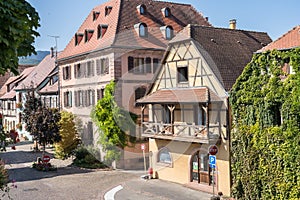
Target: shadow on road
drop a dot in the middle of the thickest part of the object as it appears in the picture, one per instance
(29, 174)
(19, 164)
(20, 156)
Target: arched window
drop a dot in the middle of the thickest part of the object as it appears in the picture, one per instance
(164, 156)
(169, 32)
(143, 30)
(166, 12)
(141, 9)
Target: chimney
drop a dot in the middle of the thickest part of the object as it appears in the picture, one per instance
(232, 24)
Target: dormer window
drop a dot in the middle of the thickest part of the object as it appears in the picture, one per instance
(102, 28)
(166, 12)
(168, 32)
(95, 15)
(107, 10)
(88, 35)
(141, 9)
(78, 38)
(142, 29)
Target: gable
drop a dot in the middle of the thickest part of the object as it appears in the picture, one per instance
(185, 59)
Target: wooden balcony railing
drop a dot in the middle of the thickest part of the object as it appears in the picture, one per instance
(180, 131)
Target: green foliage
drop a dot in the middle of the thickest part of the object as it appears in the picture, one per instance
(18, 20)
(88, 157)
(69, 136)
(266, 139)
(114, 124)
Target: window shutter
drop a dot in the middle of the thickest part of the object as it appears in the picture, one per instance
(148, 65)
(92, 68)
(93, 97)
(130, 64)
(76, 98)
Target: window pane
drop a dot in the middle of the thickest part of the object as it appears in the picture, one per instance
(182, 74)
(164, 156)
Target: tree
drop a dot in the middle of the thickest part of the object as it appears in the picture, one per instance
(69, 136)
(265, 138)
(18, 20)
(114, 123)
(41, 122)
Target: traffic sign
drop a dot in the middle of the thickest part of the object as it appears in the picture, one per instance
(212, 161)
(143, 147)
(212, 149)
(46, 158)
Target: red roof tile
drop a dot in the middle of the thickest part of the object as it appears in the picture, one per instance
(121, 21)
(180, 95)
(291, 39)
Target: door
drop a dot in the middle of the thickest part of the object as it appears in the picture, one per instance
(200, 171)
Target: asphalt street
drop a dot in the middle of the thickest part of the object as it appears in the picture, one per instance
(70, 182)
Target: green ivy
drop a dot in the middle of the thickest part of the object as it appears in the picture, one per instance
(265, 103)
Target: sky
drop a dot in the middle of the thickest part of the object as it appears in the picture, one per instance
(62, 18)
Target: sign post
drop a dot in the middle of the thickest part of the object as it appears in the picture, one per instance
(143, 147)
(213, 150)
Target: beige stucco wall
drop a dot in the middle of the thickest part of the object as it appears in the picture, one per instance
(181, 153)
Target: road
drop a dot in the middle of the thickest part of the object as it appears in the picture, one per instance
(69, 182)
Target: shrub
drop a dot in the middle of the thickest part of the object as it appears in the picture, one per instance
(69, 136)
(86, 157)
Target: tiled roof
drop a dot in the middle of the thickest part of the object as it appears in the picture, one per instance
(90, 24)
(10, 95)
(181, 16)
(15, 79)
(121, 21)
(49, 89)
(291, 39)
(227, 51)
(38, 74)
(180, 95)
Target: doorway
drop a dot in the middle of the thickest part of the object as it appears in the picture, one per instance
(200, 170)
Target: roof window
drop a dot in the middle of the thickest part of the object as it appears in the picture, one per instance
(141, 9)
(142, 29)
(88, 35)
(102, 28)
(78, 38)
(168, 32)
(166, 12)
(95, 15)
(107, 10)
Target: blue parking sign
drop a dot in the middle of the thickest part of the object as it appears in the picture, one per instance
(212, 161)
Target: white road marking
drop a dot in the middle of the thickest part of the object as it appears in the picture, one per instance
(110, 195)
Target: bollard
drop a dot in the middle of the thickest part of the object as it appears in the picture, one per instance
(150, 173)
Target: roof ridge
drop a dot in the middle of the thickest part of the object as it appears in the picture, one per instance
(224, 28)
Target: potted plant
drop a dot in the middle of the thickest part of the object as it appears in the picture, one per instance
(19, 105)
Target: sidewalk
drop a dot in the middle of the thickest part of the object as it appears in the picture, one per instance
(159, 190)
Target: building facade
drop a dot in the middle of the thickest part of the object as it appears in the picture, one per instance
(122, 41)
(188, 104)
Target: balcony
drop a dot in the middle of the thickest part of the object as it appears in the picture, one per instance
(181, 131)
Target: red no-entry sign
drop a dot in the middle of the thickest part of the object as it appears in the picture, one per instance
(213, 150)
(46, 158)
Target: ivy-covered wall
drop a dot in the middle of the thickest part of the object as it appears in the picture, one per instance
(265, 103)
